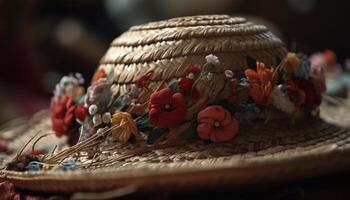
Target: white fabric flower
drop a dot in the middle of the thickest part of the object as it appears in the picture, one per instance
(212, 59)
(229, 73)
(281, 100)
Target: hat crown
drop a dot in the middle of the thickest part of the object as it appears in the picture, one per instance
(168, 47)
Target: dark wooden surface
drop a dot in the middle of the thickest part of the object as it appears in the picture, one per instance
(332, 186)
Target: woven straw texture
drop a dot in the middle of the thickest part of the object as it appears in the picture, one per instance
(169, 47)
(260, 154)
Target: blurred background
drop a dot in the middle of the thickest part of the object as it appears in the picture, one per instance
(42, 40)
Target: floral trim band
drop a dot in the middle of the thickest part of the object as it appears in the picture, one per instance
(209, 103)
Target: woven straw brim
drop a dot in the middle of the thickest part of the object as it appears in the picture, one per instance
(258, 155)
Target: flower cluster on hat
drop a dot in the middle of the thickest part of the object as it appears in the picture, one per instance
(217, 124)
(261, 82)
(66, 107)
(305, 83)
(166, 108)
(228, 99)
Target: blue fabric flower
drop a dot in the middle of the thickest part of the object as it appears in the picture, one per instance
(34, 166)
(304, 68)
(247, 112)
(70, 165)
(243, 82)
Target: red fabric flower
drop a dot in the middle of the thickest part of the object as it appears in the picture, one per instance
(313, 97)
(296, 95)
(193, 69)
(232, 97)
(101, 73)
(145, 80)
(62, 115)
(166, 108)
(80, 112)
(185, 85)
(215, 123)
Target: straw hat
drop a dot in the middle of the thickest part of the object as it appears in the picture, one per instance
(271, 149)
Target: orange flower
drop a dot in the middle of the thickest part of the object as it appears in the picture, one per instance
(330, 57)
(101, 73)
(260, 82)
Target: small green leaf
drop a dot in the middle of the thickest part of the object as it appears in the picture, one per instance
(191, 132)
(120, 103)
(227, 89)
(278, 59)
(228, 106)
(79, 100)
(155, 133)
(111, 75)
(173, 86)
(196, 76)
(142, 122)
(251, 62)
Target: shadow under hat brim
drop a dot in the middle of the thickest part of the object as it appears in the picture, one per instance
(260, 154)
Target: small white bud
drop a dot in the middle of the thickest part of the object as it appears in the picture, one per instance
(79, 78)
(100, 130)
(93, 109)
(97, 119)
(209, 76)
(106, 118)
